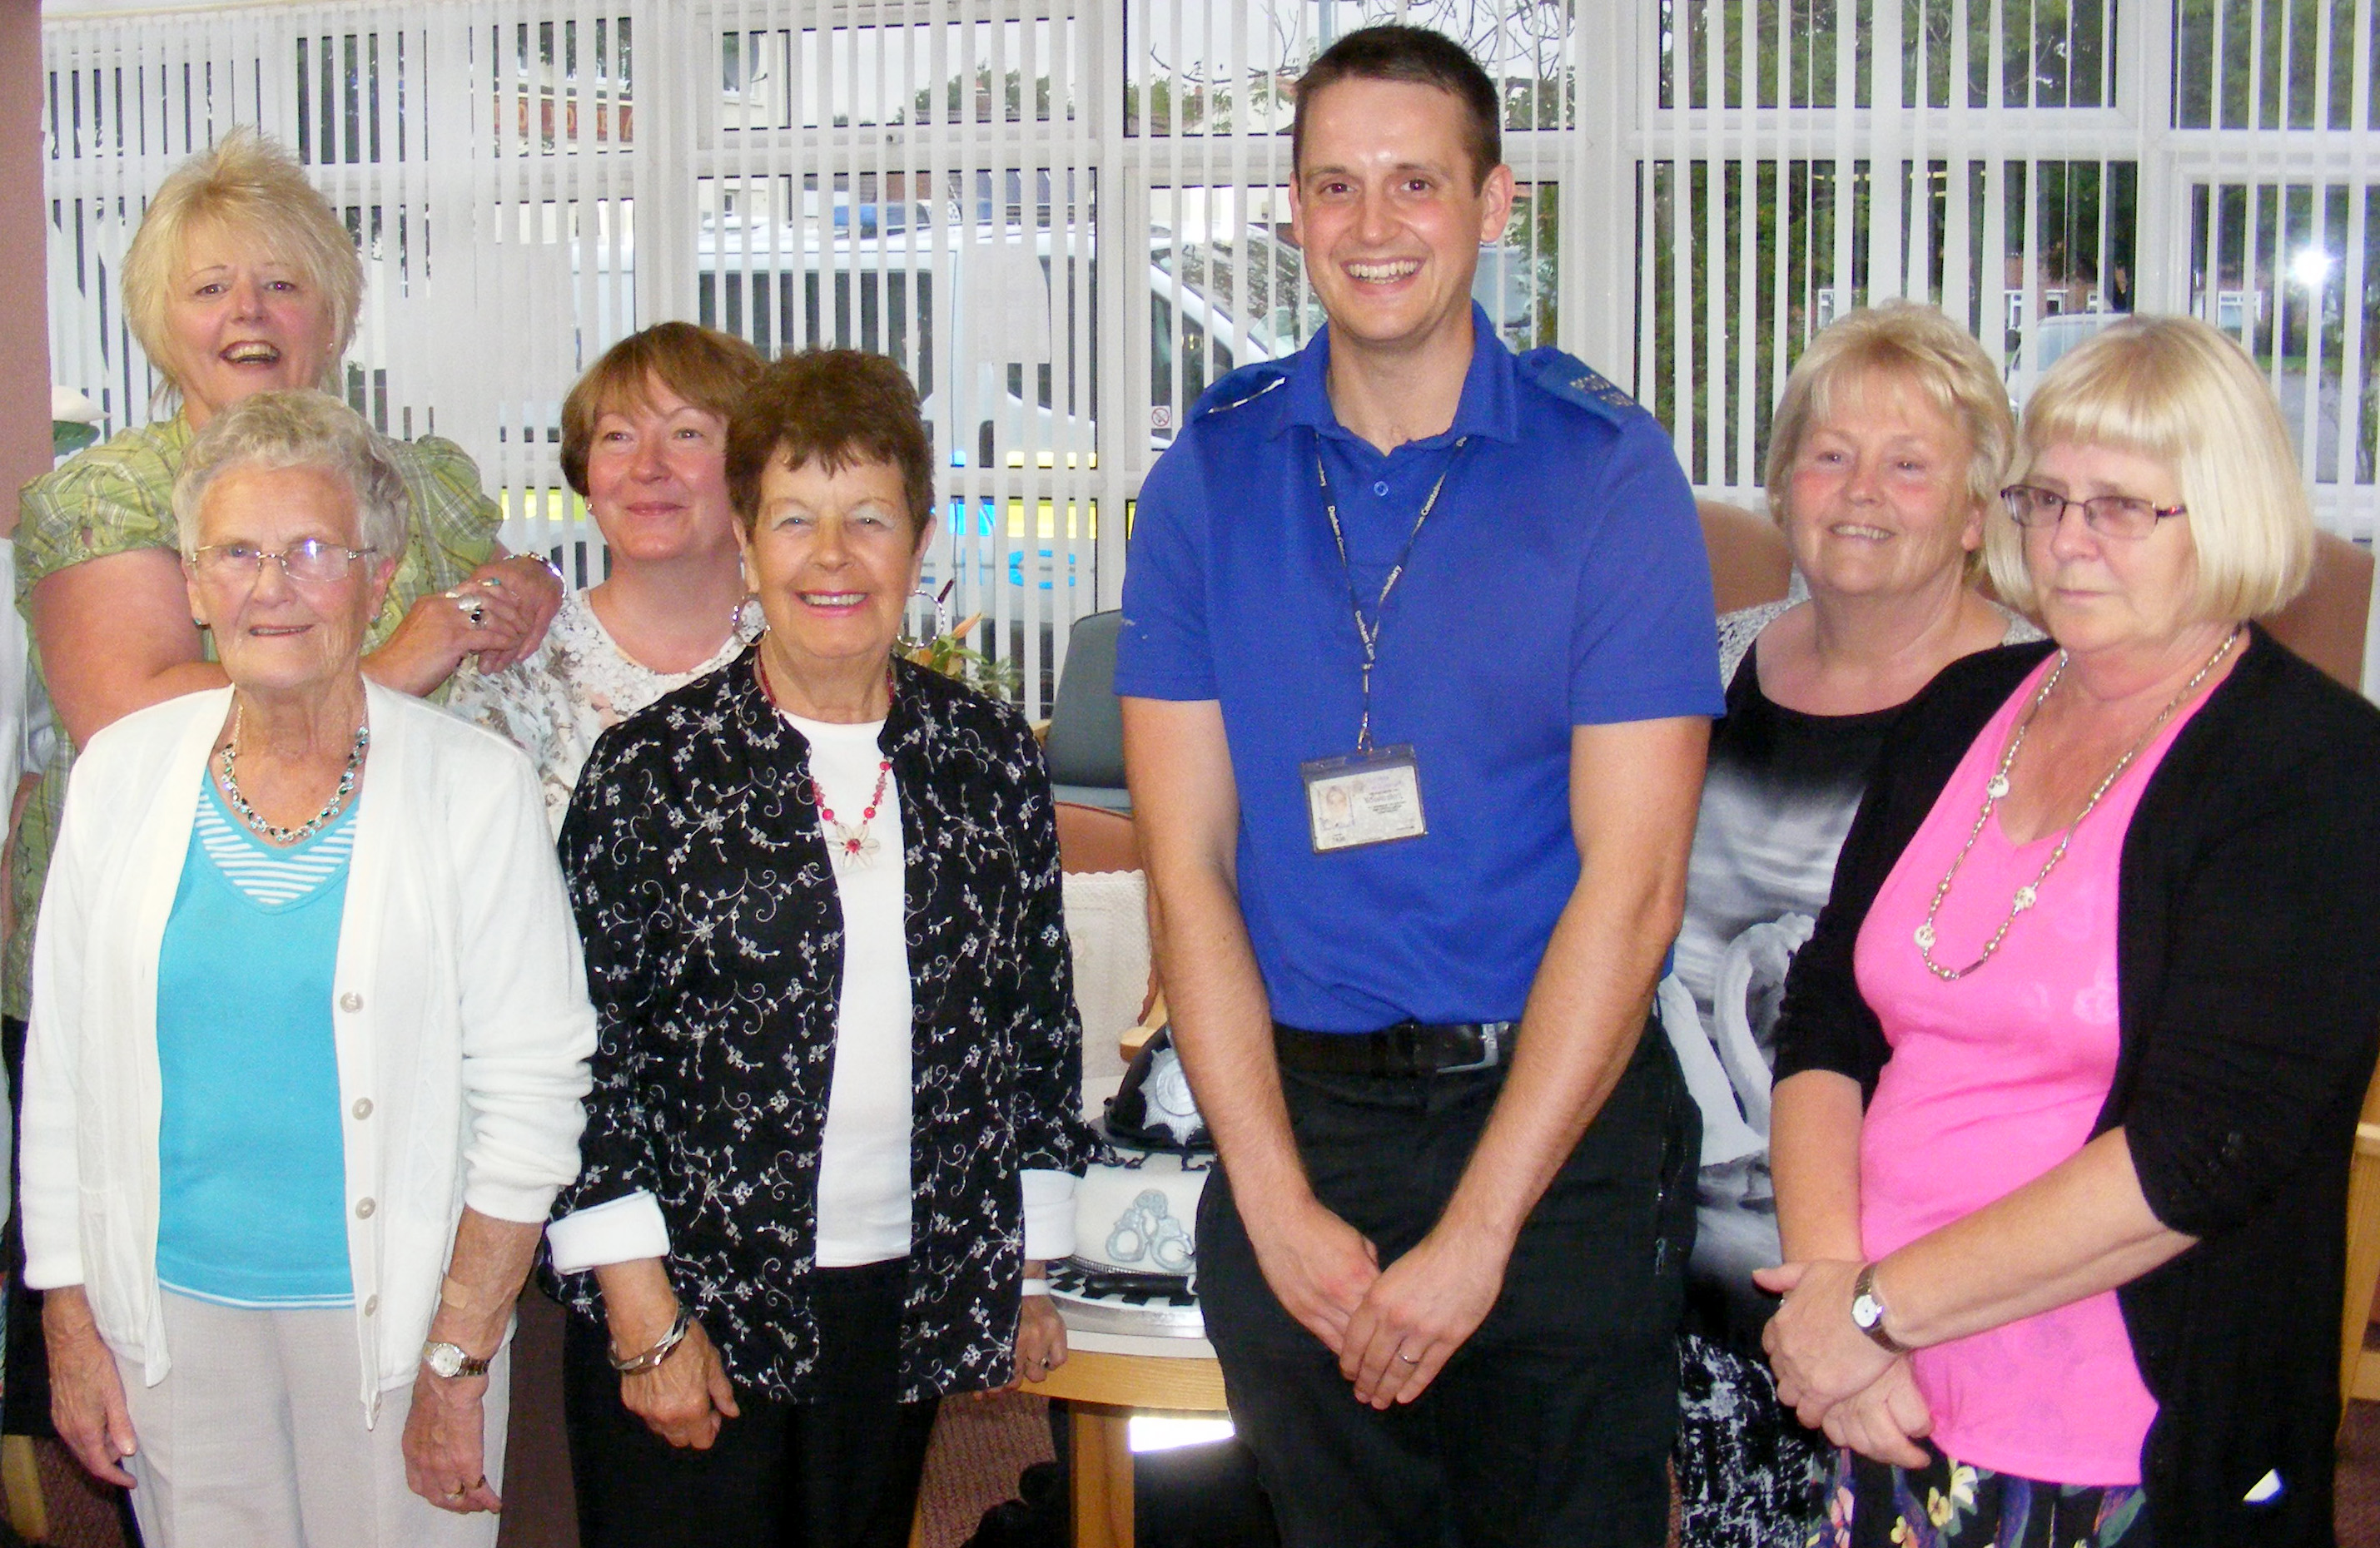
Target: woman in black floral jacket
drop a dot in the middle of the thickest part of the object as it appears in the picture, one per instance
(835, 1120)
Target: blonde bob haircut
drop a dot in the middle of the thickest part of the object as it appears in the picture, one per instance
(246, 183)
(1905, 342)
(2177, 392)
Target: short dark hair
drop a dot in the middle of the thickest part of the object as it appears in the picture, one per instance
(1415, 54)
(704, 367)
(837, 408)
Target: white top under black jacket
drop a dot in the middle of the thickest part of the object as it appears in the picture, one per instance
(714, 953)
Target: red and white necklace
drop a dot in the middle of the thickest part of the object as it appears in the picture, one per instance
(846, 844)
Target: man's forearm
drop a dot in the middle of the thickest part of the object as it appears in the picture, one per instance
(1585, 1012)
(1634, 790)
(1223, 1028)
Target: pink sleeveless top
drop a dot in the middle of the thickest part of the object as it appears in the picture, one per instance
(1994, 1081)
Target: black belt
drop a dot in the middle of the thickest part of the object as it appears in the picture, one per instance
(1406, 1048)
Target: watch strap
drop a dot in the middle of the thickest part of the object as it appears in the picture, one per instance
(439, 1355)
(1869, 1311)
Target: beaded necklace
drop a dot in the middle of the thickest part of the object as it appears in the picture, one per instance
(311, 826)
(1996, 789)
(847, 843)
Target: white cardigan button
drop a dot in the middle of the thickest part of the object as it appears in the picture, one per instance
(372, 1305)
(351, 1001)
(363, 1209)
(363, 1106)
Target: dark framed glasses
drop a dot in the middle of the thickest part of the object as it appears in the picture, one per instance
(2110, 515)
(309, 560)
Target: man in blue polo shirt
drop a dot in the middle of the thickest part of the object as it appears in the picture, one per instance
(1417, 663)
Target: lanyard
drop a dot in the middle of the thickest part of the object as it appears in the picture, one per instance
(1369, 633)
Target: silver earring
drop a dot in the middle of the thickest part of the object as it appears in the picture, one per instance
(752, 623)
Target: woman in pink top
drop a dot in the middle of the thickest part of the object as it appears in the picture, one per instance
(2067, 1075)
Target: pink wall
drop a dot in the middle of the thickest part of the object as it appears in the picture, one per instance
(24, 320)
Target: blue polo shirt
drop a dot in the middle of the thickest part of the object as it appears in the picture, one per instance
(1560, 581)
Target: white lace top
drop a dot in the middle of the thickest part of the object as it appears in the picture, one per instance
(578, 684)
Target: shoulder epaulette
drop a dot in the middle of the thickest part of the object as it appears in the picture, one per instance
(1244, 385)
(1574, 381)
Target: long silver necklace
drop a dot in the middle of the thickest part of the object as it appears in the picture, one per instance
(311, 826)
(1996, 789)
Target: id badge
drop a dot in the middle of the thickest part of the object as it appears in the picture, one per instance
(1364, 798)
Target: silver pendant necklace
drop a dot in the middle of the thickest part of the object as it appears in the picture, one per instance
(311, 826)
(1996, 789)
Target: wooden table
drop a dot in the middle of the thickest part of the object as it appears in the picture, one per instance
(1107, 1379)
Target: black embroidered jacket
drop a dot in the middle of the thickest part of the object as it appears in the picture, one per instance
(713, 935)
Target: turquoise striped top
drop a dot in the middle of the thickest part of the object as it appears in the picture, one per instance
(251, 1163)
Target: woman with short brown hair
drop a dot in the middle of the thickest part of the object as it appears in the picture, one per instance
(644, 441)
(836, 1116)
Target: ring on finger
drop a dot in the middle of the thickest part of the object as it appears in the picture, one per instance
(1409, 1359)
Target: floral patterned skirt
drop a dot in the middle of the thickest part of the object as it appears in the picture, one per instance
(1947, 1504)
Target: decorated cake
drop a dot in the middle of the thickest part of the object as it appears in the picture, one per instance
(1136, 1209)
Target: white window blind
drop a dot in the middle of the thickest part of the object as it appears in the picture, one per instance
(1066, 217)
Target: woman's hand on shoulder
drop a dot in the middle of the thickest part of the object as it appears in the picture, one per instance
(86, 1393)
(532, 595)
(437, 633)
(686, 1397)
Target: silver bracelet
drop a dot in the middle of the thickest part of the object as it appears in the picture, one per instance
(636, 1365)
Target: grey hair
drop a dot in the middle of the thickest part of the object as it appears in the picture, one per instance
(297, 429)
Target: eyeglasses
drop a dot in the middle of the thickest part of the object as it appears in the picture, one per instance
(2110, 515)
(309, 560)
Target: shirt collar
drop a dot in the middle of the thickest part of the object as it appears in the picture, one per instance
(1486, 409)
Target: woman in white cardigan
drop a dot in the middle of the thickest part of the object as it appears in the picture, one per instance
(309, 1040)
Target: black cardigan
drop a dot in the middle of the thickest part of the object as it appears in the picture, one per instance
(713, 935)
(2248, 958)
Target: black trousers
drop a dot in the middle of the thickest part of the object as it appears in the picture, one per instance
(1552, 1424)
(841, 1471)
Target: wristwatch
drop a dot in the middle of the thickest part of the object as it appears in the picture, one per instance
(449, 1360)
(1867, 1312)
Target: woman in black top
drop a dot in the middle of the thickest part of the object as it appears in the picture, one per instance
(1886, 450)
(2175, 1260)
(837, 1090)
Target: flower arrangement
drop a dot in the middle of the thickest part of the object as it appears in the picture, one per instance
(948, 652)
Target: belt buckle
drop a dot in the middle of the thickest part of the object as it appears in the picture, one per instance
(1491, 1034)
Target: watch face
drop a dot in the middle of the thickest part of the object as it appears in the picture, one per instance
(443, 1359)
(1866, 1311)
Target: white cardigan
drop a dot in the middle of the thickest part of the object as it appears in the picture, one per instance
(461, 1017)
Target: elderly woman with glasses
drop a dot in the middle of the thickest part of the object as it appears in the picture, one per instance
(2069, 1074)
(309, 1035)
